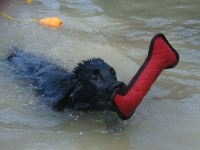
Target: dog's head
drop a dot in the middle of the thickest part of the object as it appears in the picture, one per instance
(97, 82)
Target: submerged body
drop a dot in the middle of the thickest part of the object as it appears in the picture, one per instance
(90, 86)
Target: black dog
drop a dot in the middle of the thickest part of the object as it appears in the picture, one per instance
(90, 86)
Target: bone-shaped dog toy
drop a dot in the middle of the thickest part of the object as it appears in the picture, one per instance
(161, 56)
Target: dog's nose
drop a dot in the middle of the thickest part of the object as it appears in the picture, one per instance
(116, 86)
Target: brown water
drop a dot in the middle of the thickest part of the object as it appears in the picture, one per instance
(119, 32)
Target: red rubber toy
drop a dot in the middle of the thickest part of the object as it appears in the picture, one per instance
(161, 56)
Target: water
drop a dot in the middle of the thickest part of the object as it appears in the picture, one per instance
(119, 32)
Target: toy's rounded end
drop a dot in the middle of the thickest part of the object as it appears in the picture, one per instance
(52, 22)
(160, 43)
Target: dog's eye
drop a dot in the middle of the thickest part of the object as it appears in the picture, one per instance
(112, 71)
(96, 75)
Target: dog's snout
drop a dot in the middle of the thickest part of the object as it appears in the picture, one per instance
(116, 86)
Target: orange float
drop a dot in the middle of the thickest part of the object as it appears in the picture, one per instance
(52, 22)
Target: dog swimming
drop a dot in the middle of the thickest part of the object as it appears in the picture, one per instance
(90, 86)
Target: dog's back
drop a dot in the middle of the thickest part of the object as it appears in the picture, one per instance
(50, 80)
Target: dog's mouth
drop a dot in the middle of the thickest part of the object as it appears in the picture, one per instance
(117, 86)
(101, 101)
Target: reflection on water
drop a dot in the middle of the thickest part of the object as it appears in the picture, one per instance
(119, 32)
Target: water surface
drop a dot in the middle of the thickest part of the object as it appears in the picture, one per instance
(119, 32)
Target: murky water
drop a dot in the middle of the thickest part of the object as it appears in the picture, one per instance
(119, 32)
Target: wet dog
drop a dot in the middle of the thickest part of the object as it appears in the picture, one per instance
(90, 86)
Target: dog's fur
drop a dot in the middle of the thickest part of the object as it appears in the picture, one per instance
(90, 86)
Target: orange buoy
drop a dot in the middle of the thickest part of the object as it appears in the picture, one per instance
(52, 22)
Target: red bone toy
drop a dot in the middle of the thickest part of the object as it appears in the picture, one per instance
(161, 56)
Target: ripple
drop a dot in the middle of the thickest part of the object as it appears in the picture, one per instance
(191, 22)
(85, 6)
(51, 4)
(154, 22)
